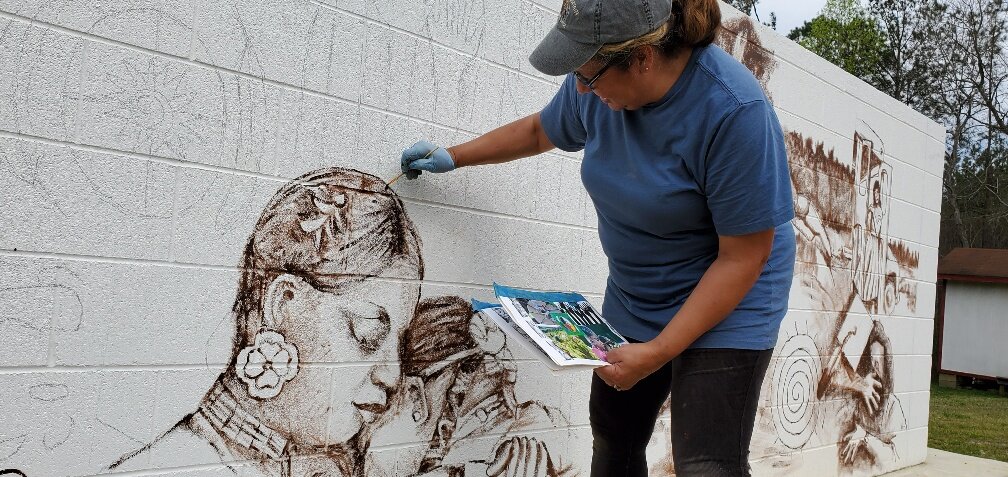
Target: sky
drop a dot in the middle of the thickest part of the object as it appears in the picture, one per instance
(790, 13)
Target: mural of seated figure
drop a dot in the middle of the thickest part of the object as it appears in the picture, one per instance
(874, 414)
(330, 274)
(457, 397)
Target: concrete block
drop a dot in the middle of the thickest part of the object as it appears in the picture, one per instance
(178, 393)
(930, 226)
(934, 156)
(144, 139)
(933, 201)
(921, 374)
(264, 38)
(905, 374)
(905, 220)
(927, 268)
(901, 332)
(250, 110)
(40, 85)
(918, 409)
(820, 288)
(135, 102)
(504, 37)
(926, 299)
(884, 103)
(802, 98)
(334, 56)
(75, 201)
(230, 470)
(179, 317)
(389, 79)
(51, 431)
(891, 136)
(908, 182)
(382, 137)
(946, 380)
(316, 132)
(916, 446)
(217, 213)
(923, 330)
(130, 423)
(161, 25)
(302, 44)
(150, 105)
(537, 388)
(33, 300)
(490, 31)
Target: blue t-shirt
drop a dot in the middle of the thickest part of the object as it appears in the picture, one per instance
(707, 159)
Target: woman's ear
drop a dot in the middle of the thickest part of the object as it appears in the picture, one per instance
(644, 58)
(416, 394)
(279, 294)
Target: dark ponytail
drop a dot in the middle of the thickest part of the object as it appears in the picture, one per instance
(692, 24)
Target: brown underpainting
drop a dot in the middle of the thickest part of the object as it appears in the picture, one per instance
(334, 353)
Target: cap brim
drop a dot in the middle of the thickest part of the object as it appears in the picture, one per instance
(558, 55)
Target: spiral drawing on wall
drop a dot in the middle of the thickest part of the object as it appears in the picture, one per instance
(796, 373)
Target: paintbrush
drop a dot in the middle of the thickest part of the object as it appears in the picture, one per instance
(403, 173)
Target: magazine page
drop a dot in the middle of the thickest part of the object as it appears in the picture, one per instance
(496, 313)
(564, 325)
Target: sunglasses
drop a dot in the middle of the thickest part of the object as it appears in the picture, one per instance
(590, 83)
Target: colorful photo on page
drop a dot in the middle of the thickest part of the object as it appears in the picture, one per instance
(564, 324)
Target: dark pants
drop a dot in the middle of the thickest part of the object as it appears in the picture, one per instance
(714, 392)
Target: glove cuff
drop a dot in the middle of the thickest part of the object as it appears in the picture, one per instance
(451, 155)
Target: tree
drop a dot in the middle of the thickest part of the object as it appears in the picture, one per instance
(975, 212)
(749, 8)
(949, 60)
(745, 6)
(910, 67)
(844, 34)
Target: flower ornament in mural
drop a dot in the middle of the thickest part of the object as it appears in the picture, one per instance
(329, 220)
(267, 365)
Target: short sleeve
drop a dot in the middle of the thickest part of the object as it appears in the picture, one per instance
(746, 178)
(561, 120)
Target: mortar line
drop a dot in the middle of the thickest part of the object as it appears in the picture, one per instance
(430, 41)
(120, 368)
(269, 81)
(842, 135)
(225, 268)
(280, 84)
(262, 176)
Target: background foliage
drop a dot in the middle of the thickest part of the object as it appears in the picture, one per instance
(948, 60)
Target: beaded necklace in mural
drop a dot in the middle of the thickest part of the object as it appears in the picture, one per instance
(241, 428)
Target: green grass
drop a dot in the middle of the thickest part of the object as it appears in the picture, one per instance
(968, 421)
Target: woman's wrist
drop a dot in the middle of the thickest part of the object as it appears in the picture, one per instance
(665, 349)
(454, 156)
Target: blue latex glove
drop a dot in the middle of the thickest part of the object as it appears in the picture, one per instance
(424, 156)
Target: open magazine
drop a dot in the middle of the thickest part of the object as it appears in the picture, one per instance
(561, 329)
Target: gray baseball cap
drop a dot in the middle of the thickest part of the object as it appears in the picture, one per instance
(584, 26)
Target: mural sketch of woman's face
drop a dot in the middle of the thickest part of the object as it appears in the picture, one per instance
(360, 325)
(341, 260)
(345, 337)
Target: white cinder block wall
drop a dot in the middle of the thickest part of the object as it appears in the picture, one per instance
(141, 141)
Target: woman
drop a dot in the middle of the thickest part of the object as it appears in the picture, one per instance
(328, 275)
(685, 162)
